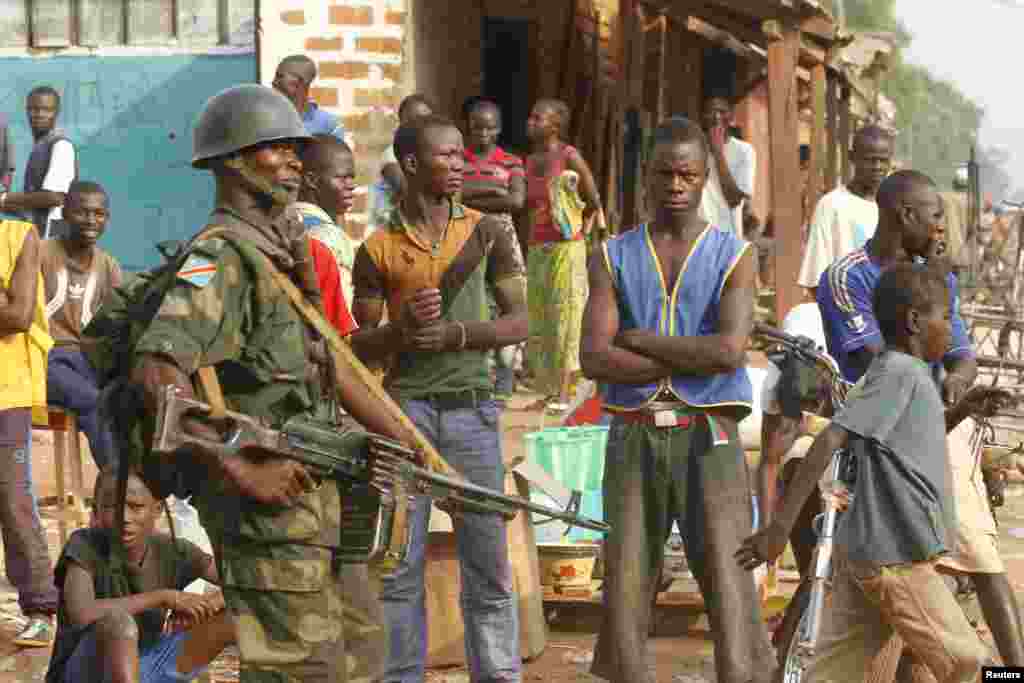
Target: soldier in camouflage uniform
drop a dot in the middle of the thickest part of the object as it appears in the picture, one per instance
(272, 525)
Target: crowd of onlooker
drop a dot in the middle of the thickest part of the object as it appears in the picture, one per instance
(548, 206)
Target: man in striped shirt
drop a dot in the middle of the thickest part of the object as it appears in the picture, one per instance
(494, 182)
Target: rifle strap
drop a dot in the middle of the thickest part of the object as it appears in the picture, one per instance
(207, 375)
(396, 549)
(343, 356)
(210, 385)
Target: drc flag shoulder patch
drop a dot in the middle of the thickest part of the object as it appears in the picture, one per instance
(198, 270)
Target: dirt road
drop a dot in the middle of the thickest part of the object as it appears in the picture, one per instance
(676, 659)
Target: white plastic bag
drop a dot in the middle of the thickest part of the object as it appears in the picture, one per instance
(187, 526)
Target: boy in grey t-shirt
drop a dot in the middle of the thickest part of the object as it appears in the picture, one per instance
(896, 525)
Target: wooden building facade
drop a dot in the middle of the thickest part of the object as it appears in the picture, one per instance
(621, 65)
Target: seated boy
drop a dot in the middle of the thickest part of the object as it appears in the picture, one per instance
(896, 527)
(77, 276)
(123, 616)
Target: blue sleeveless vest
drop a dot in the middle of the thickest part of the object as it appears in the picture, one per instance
(689, 309)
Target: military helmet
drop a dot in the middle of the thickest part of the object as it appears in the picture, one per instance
(243, 116)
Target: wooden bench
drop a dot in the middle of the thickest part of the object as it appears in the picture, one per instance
(67, 455)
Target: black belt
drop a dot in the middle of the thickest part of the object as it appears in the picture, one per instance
(458, 400)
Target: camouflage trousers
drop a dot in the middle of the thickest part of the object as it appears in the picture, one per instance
(299, 619)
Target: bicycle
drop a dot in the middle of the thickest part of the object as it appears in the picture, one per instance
(804, 640)
(836, 496)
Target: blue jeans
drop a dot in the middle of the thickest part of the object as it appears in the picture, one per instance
(157, 664)
(71, 383)
(469, 440)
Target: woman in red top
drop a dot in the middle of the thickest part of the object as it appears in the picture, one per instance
(556, 264)
(494, 182)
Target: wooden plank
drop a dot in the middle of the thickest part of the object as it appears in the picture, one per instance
(745, 30)
(51, 23)
(637, 55)
(820, 27)
(693, 84)
(613, 170)
(783, 51)
(594, 141)
(720, 37)
(815, 180)
(811, 54)
(662, 59)
(831, 132)
(845, 134)
(522, 550)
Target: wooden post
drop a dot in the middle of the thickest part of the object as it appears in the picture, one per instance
(783, 52)
(832, 134)
(632, 87)
(688, 75)
(815, 179)
(595, 143)
(845, 137)
(662, 59)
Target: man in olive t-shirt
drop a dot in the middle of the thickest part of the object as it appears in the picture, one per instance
(430, 268)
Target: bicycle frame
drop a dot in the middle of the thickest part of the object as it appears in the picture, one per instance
(804, 642)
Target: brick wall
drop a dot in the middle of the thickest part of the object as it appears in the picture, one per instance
(359, 48)
(371, 53)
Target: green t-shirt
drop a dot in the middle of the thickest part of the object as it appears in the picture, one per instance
(475, 255)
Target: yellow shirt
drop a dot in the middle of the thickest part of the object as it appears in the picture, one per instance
(23, 355)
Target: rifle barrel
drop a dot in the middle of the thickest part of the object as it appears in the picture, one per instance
(492, 496)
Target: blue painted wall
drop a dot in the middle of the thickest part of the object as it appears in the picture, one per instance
(131, 120)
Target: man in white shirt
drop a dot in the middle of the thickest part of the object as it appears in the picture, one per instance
(51, 168)
(731, 176)
(846, 218)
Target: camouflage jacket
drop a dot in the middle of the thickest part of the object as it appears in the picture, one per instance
(222, 311)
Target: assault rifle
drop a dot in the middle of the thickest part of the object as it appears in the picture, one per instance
(377, 475)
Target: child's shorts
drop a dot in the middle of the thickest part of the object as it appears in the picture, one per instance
(157, 664)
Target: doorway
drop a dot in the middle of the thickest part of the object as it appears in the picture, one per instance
(507, 62)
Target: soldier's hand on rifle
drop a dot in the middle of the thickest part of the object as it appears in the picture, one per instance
(764, 546)
(274, 481)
